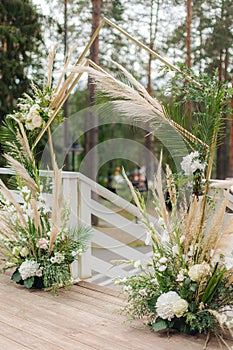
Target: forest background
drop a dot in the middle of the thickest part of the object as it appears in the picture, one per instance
(197, 34)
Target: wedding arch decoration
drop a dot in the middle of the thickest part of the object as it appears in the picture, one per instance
(187, 285)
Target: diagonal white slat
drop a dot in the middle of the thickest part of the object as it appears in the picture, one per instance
(116, 246)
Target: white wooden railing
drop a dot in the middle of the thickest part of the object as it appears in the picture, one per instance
(114, 242)
(121, 239)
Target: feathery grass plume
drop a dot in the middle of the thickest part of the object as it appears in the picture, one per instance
(53, 236)
(159, 189)
(7, 229)
(190, 223)
(7, 193)
(50, 67)
(24, 175)
(214, 230)
(67, 62)
(37, 222)
(133, 192)
(134, 101)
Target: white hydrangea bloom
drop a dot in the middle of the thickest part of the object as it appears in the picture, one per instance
(198, 271)
(170, 304)
(164, 305)
(28, 269)
(191, 163)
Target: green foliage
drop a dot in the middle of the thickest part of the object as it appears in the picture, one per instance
(210, 101)
(21, 40)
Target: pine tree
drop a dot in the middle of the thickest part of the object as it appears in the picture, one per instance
(20, 40)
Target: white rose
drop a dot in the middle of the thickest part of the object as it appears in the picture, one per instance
(34, 119)
(180, 307)
(198, 271)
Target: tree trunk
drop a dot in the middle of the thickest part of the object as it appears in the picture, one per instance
(188, 104)
(65, 106)
(222, 149)
(148, 135)
(91, 136)
(231, 140)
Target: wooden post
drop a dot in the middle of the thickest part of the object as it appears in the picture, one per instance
(84, 218)
(70, 195)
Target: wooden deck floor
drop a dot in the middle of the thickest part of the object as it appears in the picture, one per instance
(82, 318)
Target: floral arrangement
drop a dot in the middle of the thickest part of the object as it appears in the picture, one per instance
(188, 285)
(35, 238)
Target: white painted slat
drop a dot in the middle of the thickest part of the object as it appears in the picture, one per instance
(107, 269)
(116, 246)
(136, 230)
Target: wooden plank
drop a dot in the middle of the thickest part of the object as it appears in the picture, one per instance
(96, 288)
(8, 344)
(71, 318)
(70, 322)
(25, 338)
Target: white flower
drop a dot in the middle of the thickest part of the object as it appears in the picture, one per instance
(75, 253)
(127, 289)
(24, 252)
(28, 269)
(26, 193)
(39, 272)
(169, 305)
(137, 264)
(148, 238)
(58, 258)
(199, 271)
(228, 261)
(155, 281)
(163, 260)
(43, 243)
(175, 250)
(180, 276)
(34, 119)
(182, 239)
(143, 292)
(162, 268)
(180, 307)
(191, 163)
(164, 305)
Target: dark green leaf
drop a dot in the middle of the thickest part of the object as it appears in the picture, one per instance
(16, 276)
(29, 282)
(159, 325)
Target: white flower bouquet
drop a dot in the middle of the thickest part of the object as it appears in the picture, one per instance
(36, 239)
